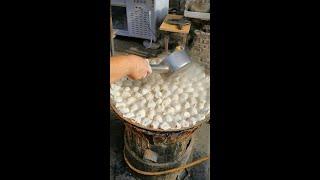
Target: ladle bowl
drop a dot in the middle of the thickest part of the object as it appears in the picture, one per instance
(175, 62)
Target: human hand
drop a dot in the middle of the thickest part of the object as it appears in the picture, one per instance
(139, 67)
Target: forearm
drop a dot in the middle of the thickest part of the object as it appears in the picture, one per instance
(120, 67)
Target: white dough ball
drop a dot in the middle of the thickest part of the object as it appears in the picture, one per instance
(165, 126)
(146, 122)
(142, 102)
(176, 79)
(177, 107)
(115, 87)
(185, 123)
(119, 83)
(147, 86)
(202, 117)
(166, 93)
(126, 94)
(152, 83)
(177, 125)
(158, 94)
(137, 120)
(112, 91)
(160, 81)
(137, 95)
(128, 83)
(124, 110)
(195, 94)
(175, 97)
(193, 101)
(118, 99)
(193, 121)
(144, 91)
(159, 101)
(149, 96)
(131, 100)
(197, 71)
(133, 108)
(178, 117)
(121, 104)
(195, 78)
(166, 102)
(206, 80)
(202, 75)
(170, 110)
(156, 88)
(158, 118)
(141, 113)
(159, 108)
(199, 84)
(184, 80)
(137, 83)
(194, 111)
(187, 105)
(201, 106)
(136, 89)
(117, 94)
(186, 114)
(151, 114)
(189, 89)
(199, 117)
(164, 87)
(128, 115)
(179, 91)
(168, 118)
(151, 104)
(173, 88)
(206, 109)
(183, 97)
(155, 124)
(190, 85)
(127, 89)
(175, 102)
(201, 89)
(157, 76)
(202, 97)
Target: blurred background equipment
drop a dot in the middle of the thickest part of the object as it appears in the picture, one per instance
(198, 9)
(175, 24)
(200, 50)
(138, 18)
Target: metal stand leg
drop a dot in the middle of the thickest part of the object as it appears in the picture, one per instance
(184, 41)
(166, 43)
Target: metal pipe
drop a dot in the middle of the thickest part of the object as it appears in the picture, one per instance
(160, 68)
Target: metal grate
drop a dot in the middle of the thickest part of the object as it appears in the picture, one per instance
(140, 20)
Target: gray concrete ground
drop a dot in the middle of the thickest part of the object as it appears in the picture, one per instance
(118, 168)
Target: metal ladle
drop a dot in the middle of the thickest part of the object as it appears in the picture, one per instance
(175, 62)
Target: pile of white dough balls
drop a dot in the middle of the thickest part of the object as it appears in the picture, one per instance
(177, 102)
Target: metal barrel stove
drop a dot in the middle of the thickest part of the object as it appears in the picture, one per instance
(156, 154)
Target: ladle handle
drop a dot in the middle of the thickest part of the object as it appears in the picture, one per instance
(159, 68)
